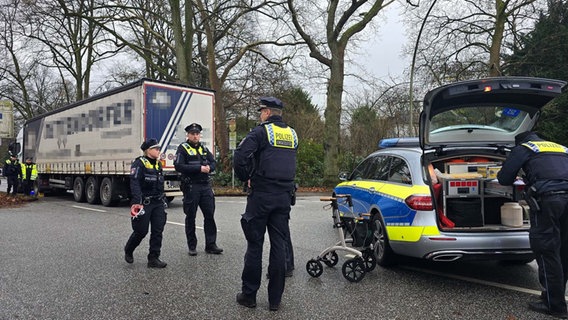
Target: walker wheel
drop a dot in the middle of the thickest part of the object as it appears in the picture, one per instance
(354, 269)
(370, 260)
(330, 259)
(314, 268)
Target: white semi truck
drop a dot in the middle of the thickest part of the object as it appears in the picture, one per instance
(88, 146)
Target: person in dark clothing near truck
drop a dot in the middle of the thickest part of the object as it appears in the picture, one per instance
(147, 203)
(29, 176)
(13, 173)
(195, 162)
(545, 165)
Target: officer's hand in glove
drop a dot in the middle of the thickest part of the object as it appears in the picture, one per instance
(136, 209)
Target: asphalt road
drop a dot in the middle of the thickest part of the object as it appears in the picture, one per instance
(64, 260)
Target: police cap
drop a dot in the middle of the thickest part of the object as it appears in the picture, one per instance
(194, 127)
(150, 143)
(271, 102)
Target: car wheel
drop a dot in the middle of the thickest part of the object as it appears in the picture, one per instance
(381, 247)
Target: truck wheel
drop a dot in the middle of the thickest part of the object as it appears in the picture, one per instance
(107, 192)
(92, 190)
(79, 189)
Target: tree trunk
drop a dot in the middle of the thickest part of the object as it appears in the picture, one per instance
(221, 135)
(332, 116)
(497, 39)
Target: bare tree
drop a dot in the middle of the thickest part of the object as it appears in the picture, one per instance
(32, 88)
(159, 32)
(68, 41)
(341, 21)
(230, 32)
(466, 41)
(198, 41)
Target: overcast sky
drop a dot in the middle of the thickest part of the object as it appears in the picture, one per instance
(385, 49)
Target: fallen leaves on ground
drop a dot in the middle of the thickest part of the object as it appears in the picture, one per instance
(9, 200)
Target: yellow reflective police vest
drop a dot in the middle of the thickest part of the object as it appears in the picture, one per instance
(192, 151)
(148, 165)
(549, 162)
(278, 159)
(545, 146)
(33, 171)
(281, 137)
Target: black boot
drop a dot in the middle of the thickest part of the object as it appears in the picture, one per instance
(213, 249)
(128, 255)
(244, 300)
(154, 262)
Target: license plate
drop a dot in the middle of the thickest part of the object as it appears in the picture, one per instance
(172, 184)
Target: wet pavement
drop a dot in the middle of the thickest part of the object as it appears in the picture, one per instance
(64, 260)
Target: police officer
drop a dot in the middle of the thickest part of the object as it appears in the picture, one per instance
(13, 173)
(266, 160)
(29, 175)
(195, 162)
(545, 165)
(147, 203)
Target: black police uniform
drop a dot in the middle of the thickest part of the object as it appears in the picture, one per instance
(147, 188)
(270, 164)
(13, 173)
(197, 191)
(546, 167)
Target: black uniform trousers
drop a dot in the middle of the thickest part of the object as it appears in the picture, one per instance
(199, 195)
(12, 183)
(154, 216)
(549, 241)
(27, 186)
(266, 211)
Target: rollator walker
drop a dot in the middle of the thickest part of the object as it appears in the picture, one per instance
(358, 230)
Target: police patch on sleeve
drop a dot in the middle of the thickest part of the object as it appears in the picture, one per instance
(133, 171)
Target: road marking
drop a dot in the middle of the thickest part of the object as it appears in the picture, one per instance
(230, 201)
(478, 281)
(183, 225)
(91, 209)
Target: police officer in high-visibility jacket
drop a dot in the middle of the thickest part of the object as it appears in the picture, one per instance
(266, 160)
(29, 175)
(195, 162)
(13, 173)
(545, 165)
(147, 203)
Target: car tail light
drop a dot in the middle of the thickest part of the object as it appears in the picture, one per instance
(423, 203)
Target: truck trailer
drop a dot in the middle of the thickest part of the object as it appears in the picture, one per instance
(88, 146)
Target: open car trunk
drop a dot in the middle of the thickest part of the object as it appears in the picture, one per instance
(466, 130)
(468, 197)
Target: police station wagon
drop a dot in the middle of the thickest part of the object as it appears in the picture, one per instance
(436, 196)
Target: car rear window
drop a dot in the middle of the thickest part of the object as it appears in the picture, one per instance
(496, 118)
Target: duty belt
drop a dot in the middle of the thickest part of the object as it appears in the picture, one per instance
(148, 199)
(552, 193)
